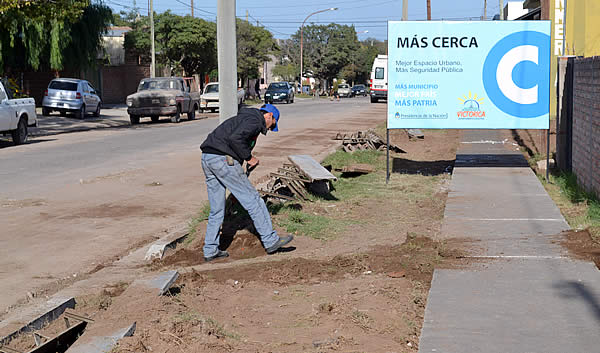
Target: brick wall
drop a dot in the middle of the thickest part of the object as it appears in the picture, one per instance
(120, 81)
(117, 81)
(586, 123)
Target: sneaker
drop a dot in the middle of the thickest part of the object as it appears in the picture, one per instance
(280, 242)
(218, 255)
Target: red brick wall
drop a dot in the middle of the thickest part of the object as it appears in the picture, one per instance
(120, 81)
(586, 123)
(36, 83)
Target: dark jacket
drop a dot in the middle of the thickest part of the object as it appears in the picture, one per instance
(236, 136)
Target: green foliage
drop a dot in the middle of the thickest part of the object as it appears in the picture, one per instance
(288, 72)
(51, 34)
(571, 189)
(254, 44)
(328, 48)
(183, 43)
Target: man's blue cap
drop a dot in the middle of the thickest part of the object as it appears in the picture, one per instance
(270, 108)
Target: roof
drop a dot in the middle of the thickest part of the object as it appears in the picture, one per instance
(66, 79)
(531, 15)
(117, 31)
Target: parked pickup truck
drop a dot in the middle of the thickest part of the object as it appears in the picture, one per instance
(164, 96)
(16, 116)
(210, 97)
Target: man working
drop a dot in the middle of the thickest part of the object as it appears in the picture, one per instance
(223, 153)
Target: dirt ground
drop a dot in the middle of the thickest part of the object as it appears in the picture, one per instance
(362, 290)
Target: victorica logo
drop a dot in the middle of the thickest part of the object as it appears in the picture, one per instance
(516, 74)
(471, 107)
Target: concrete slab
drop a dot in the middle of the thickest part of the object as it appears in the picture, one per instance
(521, 305)
(158, 248)
(104, 343)
(34, 317)
(161, 283)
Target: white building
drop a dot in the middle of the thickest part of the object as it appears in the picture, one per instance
(514, 9)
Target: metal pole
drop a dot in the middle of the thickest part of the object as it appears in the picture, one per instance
(227, 59)
(404, 10)
(547, 154)
(387, 157)
(302, 40)
(192, 7)
(152, 51)
(501, 10)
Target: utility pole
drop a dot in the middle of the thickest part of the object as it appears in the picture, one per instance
(484, 10)
(227, 59)
(153, 54)
(501, 10)
(246, 16)
(404, 10)
(428, 10)
(192, 7)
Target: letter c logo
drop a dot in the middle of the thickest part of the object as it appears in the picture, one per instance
(516, 74)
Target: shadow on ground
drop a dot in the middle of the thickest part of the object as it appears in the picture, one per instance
(429, 168)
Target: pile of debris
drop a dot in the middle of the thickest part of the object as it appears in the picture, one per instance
(295, 180)
(364, 140)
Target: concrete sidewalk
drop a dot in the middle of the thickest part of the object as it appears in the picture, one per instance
(529, 296)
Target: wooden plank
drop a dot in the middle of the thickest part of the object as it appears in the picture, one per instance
(311, 168)
(278, 196)
(291, 177)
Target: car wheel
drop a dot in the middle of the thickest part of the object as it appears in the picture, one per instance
(45, 111)
(80, 114)
(292, 99)
(19, 136)
(374, 100)
(287, 101)
(134, 119)
(212, 110)
(98, 107)
(192, 115)
(154, 118)
(177, 117)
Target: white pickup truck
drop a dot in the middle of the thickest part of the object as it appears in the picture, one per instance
(209, 100)
(16, 116)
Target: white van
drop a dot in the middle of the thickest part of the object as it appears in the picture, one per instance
(379, 78)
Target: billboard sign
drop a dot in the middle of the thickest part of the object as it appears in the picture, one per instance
(469, 75)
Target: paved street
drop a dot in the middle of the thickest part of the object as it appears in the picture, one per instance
(70, 202)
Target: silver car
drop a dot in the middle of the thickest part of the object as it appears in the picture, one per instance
(71, 95)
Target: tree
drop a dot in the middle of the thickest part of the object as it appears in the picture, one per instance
(327, 49)
(254, 45)
(51, 33)
(288, 72)
(183, 44)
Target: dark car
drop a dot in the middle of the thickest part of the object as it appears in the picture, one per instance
(359, 90)
(164, 96)
(279, 92)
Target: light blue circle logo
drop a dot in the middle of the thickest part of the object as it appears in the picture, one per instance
(516, 74)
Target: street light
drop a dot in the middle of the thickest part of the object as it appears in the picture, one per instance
(302, 40)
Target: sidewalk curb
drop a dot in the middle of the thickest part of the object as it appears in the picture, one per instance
(158, 248)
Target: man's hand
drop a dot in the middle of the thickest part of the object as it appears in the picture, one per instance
(253, 162)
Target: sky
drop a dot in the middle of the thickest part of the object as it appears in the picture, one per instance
(284, 17)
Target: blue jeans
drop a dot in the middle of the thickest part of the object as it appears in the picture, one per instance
(219, 176)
